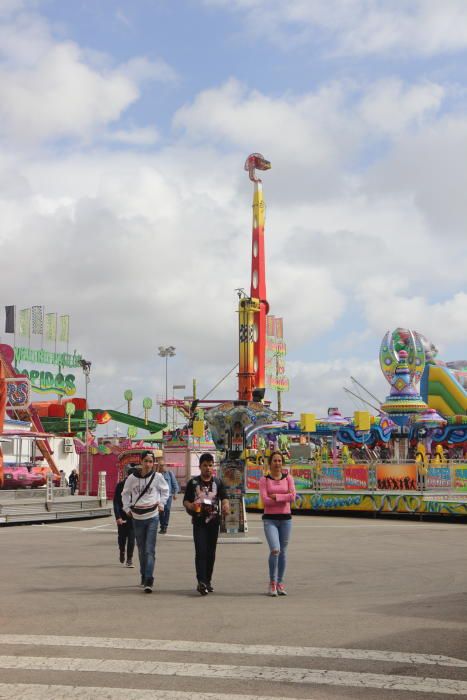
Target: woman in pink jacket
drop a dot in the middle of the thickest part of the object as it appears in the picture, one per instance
(277, 491)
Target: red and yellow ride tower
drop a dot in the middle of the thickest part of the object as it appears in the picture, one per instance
(254, 309)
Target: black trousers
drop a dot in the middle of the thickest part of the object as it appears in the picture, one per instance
(126, 539)
(205, 538)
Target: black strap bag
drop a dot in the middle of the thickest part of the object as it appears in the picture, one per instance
(142, 511)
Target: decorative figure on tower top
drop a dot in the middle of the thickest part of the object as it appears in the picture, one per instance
(256, 161)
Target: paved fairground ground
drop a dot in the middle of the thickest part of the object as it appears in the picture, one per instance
(376, 609)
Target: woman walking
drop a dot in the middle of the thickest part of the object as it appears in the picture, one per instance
(277, 491)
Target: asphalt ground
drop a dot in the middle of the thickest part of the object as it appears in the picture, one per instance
(376, 609)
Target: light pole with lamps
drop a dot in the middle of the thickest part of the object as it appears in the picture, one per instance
(86, 367)
(166, 352)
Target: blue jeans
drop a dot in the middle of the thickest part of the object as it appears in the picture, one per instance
(164, 517)
(146, 533)
(277, 533)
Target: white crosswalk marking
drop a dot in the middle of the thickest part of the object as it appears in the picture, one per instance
(246, 649)
(148, 666)
(238, 673)
(37, 691)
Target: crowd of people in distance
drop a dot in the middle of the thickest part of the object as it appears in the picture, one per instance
(142, 504)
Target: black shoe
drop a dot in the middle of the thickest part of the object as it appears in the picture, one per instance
(147, 588)
(163, 530)
(202, 588)
(209, 587)
(122, 557)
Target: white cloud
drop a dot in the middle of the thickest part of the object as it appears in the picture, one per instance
(311, 126)
(429, 168)
(60, 97)
(443, 322)
(141, 68)
(51, 90)
(390, 106)
(144, 136)
(358, 27)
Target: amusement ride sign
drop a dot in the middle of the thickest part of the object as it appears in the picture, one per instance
(47, 382)
(275, 355)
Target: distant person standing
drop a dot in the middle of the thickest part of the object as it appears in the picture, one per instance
(73, 481)
(174, 488)
(277, 491)
(144, 496)
(205, 496)
(126, 533)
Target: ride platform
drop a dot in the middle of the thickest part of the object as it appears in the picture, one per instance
(416, 503)
(27, 506)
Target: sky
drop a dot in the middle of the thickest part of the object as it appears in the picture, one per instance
(124, 128)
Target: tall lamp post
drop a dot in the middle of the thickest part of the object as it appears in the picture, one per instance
(166, 352)
(86, 367)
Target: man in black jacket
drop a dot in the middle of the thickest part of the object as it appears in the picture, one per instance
(126, 533)
(205, 497)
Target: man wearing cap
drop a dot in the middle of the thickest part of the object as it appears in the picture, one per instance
(205, 497)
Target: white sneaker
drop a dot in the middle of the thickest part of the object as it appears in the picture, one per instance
(272, 590)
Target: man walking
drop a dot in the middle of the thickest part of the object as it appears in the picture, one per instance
(205, 496)
(126, 533)
(144, 496)
(174, 488)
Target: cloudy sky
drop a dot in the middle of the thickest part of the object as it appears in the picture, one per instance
(124, 127)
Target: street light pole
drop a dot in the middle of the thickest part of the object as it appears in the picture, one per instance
(86, 367)
(166, 352)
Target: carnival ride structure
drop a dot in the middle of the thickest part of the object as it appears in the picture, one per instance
(408, 459)
(444, 389)
(24, 412)
(253, 309)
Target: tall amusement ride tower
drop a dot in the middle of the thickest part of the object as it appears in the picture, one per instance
(254, 309)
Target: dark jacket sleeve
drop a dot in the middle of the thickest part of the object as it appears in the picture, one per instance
(118, 505)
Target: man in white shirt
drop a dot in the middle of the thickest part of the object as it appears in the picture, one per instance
(144, 496)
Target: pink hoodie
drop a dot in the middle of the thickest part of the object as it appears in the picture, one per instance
(284, 489)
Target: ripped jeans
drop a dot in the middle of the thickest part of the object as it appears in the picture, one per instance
(277, 533)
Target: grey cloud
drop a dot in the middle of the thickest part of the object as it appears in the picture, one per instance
(335, 249)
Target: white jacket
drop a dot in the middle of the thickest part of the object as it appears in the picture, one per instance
(157, 493)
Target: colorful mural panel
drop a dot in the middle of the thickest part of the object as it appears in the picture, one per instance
(356, 476)
(438, 477)
(302, 476)
(460, 477)
(396, 477)
(254, 473)
(331, 478)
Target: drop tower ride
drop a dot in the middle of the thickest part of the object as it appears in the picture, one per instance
(254, 309)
